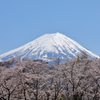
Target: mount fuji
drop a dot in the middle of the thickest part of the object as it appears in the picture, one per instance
(48, 46)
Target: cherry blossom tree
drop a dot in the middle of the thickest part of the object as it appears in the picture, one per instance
(36, 80)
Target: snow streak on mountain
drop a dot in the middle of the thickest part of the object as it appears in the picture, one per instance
(48, 45)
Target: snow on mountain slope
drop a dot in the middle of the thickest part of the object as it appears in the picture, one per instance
(48, 45)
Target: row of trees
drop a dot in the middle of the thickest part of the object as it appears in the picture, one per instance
(75, 79)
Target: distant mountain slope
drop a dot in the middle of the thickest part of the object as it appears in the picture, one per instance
(48, 45)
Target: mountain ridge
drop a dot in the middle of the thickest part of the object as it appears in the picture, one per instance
(48, 45)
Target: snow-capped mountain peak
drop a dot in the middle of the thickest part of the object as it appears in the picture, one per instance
(48, 45)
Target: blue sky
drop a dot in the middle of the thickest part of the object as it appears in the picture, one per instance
(22, 21)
